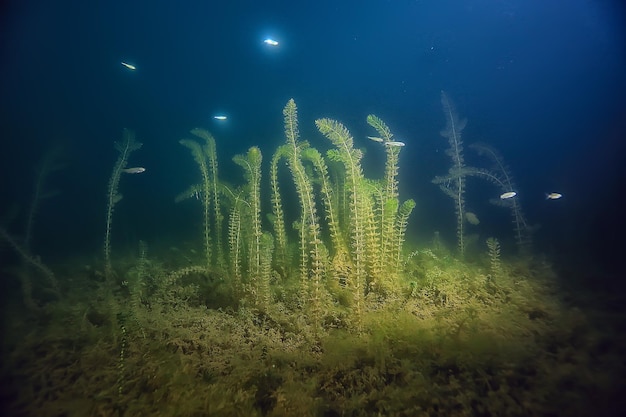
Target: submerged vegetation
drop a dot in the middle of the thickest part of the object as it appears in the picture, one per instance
(314, 310)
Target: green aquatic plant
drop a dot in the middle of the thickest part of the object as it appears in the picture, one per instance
(386, 196)
(399, 231)
(435, 335)
(121, 361)
(263, 292)
(136, 284)
(312, 262)
(205, 187)
(207, 191)
(393, 217)
(235, 245)
(358, 205)
(211, 156)
(125, 148)
(251, 164)
(33, 261)
(500, 175)
(494, 256)
(326, 188)
(277, 218)
(393, 152)
(363, 220)
(453, 184)
(50, 162)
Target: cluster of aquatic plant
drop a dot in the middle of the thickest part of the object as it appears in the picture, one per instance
(315, 309)
(454, 183)
(353, 250)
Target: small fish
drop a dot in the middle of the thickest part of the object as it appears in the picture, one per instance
(375, 139)
(221, 117)
(270, 42)
(553, 196)
(507, 195)
(129, 66)
(135, 170)
(394, 143)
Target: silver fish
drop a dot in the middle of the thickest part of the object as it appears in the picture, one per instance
(394, 143)
(129, 66)
(135, 170)
(375, 139)
(553, 196)
(507, 195)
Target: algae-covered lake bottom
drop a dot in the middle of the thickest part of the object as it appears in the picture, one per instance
(452, 339)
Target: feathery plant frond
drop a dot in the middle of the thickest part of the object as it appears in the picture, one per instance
(210, 153)
(389, 201)
(199, 156)
(383, 130)
(453, 131)
(494, 255)
(251, 163)
(311, 245)
(500, 175)
(125, 148)
(505, 179)
(235, 243)
(263, 293)
(328, 197)
(404, 211)
(32, 260)
(453, 185)
(192, 191)
(278, 215)
(350, 157)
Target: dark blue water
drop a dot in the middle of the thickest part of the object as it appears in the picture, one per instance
(541, 81)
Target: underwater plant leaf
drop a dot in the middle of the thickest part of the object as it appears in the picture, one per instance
(125, 148)
(500, 175)
(383, 131)
(193, 191)
(290, 113)
(336, 132)
(505, 177)
(454, 125)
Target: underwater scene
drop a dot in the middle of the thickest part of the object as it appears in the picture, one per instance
(332, 208)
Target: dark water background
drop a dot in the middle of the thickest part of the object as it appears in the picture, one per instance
(541, 81)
